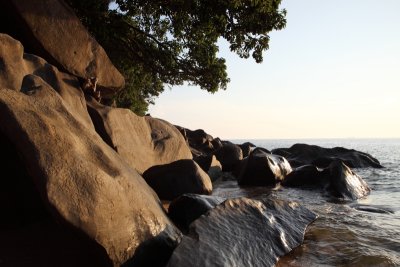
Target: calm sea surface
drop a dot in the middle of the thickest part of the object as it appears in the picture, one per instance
(342, 235)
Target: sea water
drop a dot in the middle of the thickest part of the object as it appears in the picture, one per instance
(343, 235)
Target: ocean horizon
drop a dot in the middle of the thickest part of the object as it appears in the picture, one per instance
(344, 235)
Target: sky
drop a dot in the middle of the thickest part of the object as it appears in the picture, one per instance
(333, 72)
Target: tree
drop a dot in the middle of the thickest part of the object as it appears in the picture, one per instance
(164, 43)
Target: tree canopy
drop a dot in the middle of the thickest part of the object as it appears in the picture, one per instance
(164, 43)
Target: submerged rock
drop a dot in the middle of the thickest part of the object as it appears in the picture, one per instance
(373, 208)
(261, 168)
(177, 178)
(243, 232)
(303, 154)
(82, 182)
(188, 207)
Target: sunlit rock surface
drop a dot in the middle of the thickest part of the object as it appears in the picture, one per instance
(345, 183)
(15, 65)
(262, 168)
(82, 182)
(142, 141)
(50, 29)
(243, 232)
(337, 179)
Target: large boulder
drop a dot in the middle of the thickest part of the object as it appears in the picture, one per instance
(177, 178)
(303, 154)
(243, 232)
(337, 179)
(15, 65)
(229, 155)
(261, 168)
(83, 183)
(188, 207)
(50, 29)
(345, 183)
(305, 176)
(142, 141)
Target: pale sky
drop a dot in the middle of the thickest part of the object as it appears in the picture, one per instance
(333, 72)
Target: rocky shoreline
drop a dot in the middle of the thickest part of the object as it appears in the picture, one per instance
(83, 182)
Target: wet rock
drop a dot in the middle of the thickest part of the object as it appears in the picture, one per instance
(337, 179)
(83, 183)
(177, 178)
(373, 208)
(229, 155)
(15, 65)
(305, 176)
(303, 154)
(211, 165)
(188, 207)
(243, 232)
(261, 168)
(50, 29)
(345, 183)
(143, 142)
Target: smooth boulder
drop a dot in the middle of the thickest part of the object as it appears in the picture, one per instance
(337, 179)
(180, 177)
(261, 168)
(15, 65)
(210, 164)
(243, 232)
(303, 154)
(142, 141)
(189, 207)
(229, 155)
(82, 182)
(50, 29)
(305, 176)
(345, 183)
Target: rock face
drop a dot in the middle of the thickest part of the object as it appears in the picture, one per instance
(263, 169)
(177, 178)
(243, 232)
(142, 141)
(229, 155)
(15, 64)
(345, 183)
(82, 181)
(303, 154)
(188, 207)
(50, 29)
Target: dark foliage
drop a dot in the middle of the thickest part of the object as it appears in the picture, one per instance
(158, 43)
